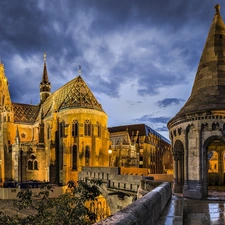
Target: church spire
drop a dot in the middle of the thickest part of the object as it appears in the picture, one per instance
(45, 85)
(79, 70)
(209, 85)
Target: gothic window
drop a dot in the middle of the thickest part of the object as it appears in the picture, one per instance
(75, 128)
(74, 157)
(35, 165)
(87, 128)
(62, 129)
(99, 129)
(32, 163)
(87, 156)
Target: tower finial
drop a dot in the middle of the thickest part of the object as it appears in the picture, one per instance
(217, 7)
(79, 70)
(45, 57)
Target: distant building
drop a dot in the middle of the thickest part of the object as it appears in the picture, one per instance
(52, 140)
(140, 146)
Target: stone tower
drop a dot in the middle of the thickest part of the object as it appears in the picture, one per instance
(45, 85)
(197, 132)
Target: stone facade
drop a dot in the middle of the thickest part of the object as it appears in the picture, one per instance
(197, 131)
(51, 141)
(138, 145)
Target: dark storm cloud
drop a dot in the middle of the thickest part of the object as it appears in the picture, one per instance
(156, 43)
(149, 118)
(168, 102)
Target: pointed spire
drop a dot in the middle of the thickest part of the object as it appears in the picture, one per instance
(79, 70)
(17, 138)
(209, 86)
(45, 85)
(217, 7)
(45, 72)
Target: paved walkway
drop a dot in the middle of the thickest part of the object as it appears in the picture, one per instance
(210, 211)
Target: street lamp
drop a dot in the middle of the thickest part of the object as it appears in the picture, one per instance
(110, 155)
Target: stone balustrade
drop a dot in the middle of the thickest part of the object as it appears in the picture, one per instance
(146, 210)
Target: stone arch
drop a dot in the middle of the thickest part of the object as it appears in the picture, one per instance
(178, 157)
(214, 145)
(104, 193)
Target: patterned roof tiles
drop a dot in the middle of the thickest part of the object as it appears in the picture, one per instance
(24, 113)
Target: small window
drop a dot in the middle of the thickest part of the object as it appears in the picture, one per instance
(30, 165)
(74, 157)
(99, 129)
(87, 156)
(87, 128)
(75, 128)
(35, 165)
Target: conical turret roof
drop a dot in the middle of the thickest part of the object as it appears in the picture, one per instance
(208, 92)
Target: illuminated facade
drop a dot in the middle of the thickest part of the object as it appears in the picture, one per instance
(140, 146)
(52, 140)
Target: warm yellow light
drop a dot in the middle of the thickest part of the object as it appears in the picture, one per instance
(110, 151)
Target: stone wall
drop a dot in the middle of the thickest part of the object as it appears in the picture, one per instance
(11, 193)
(145, 210)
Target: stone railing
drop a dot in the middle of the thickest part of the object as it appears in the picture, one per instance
(146, 210)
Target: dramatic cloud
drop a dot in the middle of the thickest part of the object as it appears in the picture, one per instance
(149, 118)
(133, 53)
(169, 102)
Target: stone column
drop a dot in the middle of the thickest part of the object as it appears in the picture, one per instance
(220, 169)
(176, 185)
(186, 162)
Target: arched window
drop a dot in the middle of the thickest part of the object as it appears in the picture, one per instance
(99, 129)
(75, 128)
(87, 156)
(30, 165)
(62, 129)
(35, 165)
(87, 128)
(74, 157)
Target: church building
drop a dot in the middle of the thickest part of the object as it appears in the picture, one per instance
(51, 141)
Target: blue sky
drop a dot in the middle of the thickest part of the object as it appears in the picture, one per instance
(139, 57)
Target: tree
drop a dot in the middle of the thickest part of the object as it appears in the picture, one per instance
(68, 208)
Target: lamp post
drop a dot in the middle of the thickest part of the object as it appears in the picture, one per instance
(110, 156)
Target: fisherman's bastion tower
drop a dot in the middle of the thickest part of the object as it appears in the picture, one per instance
(197, 131)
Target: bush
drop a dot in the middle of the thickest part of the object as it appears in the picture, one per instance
(68, 208)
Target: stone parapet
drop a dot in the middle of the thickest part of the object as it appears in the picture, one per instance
(146, 210)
